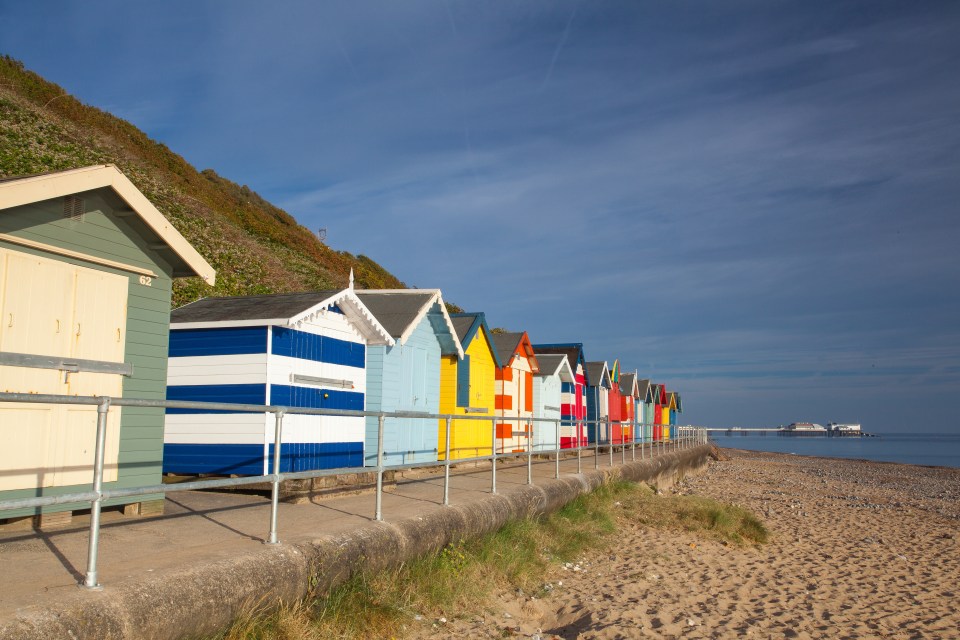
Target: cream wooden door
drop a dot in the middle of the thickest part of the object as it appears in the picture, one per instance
(37, 312)
(52, 308)
(97, 332)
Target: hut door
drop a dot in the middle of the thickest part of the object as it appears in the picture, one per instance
(41, 302)
(413, 397)
(36, 305)
(420, 402)
(98, 332)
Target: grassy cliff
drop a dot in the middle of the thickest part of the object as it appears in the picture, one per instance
(254, 246)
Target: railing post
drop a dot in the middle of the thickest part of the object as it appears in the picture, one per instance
(580, 427)
(623, 446)
(610, 438)
(275, 493)
(493, 456)
(556, 473)
(90, 580)
(596, 444)
(528, 428)
(379, 510)
(446, 468)
(633, 440)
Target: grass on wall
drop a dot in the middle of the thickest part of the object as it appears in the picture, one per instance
(460, 579)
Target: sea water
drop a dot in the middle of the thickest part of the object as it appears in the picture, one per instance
(929, 449)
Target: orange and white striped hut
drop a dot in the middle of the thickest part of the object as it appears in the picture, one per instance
(513, 390)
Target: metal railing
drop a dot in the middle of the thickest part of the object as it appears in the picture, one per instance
(681, 437)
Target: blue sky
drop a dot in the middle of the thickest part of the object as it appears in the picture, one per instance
(753, 202)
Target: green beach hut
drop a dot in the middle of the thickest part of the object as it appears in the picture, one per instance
(86, 271)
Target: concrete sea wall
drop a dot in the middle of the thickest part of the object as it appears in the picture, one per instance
(205, 598)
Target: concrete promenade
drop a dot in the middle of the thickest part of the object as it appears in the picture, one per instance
(192, 568)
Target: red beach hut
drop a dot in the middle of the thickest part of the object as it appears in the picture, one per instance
(615, 406)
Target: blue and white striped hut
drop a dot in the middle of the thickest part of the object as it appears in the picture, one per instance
(406, 376)
(598, 407)
(295, 350)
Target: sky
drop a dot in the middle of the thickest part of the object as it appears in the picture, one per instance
(755, 203)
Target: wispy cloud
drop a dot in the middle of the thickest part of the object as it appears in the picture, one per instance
(556, 52)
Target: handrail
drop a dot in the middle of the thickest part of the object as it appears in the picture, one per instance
(685, 436)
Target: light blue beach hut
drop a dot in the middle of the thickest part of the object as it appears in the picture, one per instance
(555, 374)
(405, 376)
(644, 427)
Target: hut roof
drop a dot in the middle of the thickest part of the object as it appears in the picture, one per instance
(467, 325)
(400, 311)
(597, 374)
(185, 260)
(509, 344)
(573, 351)
(643, 389)
(289, 309)
(555, 364)
(628, 385)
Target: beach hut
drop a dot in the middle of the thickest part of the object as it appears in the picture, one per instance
(679, 407)
(673, 403)
(573, 405)
(643, 400)
(467, 388)
(555, 372)
(659, 400)
(665, 417)
(405, 376)
(514, 390)
(650, 413)
(87, 265)
(629, 396)
(615, 408)
(293, 349)
(598, 406)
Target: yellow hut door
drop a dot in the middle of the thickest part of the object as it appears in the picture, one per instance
(50, 308)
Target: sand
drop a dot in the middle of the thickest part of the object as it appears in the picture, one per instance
(858, 550)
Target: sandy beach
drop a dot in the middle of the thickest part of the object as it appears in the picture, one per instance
(858, 550)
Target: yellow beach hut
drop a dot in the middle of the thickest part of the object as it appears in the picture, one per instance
(665, 413)
(467, 388)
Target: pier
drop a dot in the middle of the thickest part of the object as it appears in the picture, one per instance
(783, 431)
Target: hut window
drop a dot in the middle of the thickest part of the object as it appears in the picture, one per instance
(73, 208)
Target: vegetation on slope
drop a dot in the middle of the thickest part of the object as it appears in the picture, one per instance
(254, 246)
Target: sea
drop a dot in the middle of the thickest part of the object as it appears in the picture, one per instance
(927, 449)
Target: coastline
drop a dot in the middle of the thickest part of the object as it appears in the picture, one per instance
(859, 549)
